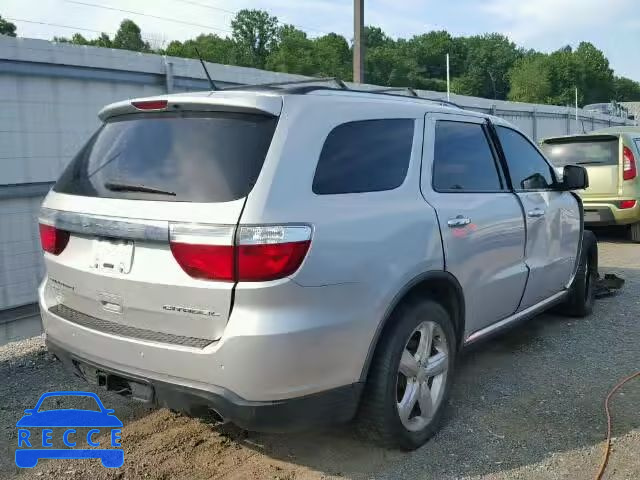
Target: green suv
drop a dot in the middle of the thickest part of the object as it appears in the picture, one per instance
(610, 157)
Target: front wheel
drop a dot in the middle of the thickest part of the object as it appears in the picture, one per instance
(410, 377)
(579, 302)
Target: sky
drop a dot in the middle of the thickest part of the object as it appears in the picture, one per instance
(611, 25)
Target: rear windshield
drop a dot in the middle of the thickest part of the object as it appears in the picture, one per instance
(183, 157)
(600, 152)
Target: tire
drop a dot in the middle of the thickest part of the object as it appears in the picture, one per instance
(579, 302)
(634, 232)
(392, 388)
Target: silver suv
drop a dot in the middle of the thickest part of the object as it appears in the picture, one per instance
(288, 257)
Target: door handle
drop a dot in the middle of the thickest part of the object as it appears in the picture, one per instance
(458, 222)
(535, 213)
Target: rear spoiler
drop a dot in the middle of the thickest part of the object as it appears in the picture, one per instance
(245, 102)
(581, 138)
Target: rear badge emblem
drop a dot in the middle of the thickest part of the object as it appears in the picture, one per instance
(193, 311)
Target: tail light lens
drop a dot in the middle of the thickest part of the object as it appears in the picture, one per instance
(150, 104)
(204, 251)
(629, 170)
(624, 204)
(271, 252)
(53, 239)
(259, 253)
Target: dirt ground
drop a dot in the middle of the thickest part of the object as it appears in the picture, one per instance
(526, 405)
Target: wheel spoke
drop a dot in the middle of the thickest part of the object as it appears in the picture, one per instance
(426, 337)
(405, 407)
(425, 401)
(436, 364)
(408, 364)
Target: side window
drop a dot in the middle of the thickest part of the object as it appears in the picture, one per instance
(463, 160)
(365, 156)
(527, 168)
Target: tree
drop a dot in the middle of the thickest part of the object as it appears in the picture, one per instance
(332, 56)
(626, 90)
(7, 28)
(488, 60)
(530, 79)
(255, 33)
(128, 37)
(595, 82)
(294, 52)
(212, 48)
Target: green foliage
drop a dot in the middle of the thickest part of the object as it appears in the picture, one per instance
(129, 37)
(626, 90)
(488, 65)
(530, 79)
(255, 34)
(7, 28)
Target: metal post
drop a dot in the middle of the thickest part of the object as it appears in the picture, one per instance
(358, 45)
(568, 129)
(534, 116)
(448, 81)
(168, 72)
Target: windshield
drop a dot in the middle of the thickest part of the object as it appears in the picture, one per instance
(582, 152)
(64, 402)
(193, 157)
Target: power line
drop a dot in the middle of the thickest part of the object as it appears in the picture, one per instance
(166, 19)
(67, 26)
(234, 12)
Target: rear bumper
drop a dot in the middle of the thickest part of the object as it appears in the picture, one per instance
(605, 214)
(294, 414)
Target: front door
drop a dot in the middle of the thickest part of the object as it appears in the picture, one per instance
(552, 219)
(481, 221)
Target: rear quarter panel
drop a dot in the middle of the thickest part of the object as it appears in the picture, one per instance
(373, 243)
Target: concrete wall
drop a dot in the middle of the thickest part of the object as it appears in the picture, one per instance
(50, 94)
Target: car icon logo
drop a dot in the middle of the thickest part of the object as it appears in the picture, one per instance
(32, 447)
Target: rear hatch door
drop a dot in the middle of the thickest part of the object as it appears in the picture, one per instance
(138, 178)
(599, 154)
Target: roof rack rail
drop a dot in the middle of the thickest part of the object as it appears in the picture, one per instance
(336, 80)
(295, 88)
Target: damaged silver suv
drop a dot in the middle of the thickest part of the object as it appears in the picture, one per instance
(287, 257)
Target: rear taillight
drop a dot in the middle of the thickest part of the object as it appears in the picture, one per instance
(204, 251)
(629, 170)
(53, 239)
(259, 253)
(271, 252)
(624, 204)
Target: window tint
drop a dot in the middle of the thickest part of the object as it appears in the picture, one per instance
(581, 151)
(527, 168)
(195, 157)
(366, 156)
(463, 160)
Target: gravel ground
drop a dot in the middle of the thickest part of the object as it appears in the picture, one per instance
(527, 405)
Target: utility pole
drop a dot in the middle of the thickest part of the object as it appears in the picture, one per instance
(358, 45)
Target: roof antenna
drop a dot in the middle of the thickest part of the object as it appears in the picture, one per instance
(206, 72)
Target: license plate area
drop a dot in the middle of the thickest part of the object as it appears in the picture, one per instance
(112, 255)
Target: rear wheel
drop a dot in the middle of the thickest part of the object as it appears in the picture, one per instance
(634, 232)
(579, 302)
(410, 377)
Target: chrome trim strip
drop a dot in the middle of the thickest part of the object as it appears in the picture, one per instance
(107, 226)
(527, 312)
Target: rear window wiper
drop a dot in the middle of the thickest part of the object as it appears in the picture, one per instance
(590, 162)
(129, 187)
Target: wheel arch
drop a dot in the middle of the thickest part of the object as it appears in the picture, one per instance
(439, 285)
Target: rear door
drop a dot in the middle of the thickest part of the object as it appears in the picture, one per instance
(141, 181)
(552, 217)
(599, 154)
(481, 221)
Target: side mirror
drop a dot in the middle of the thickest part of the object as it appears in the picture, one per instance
(574, 177)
